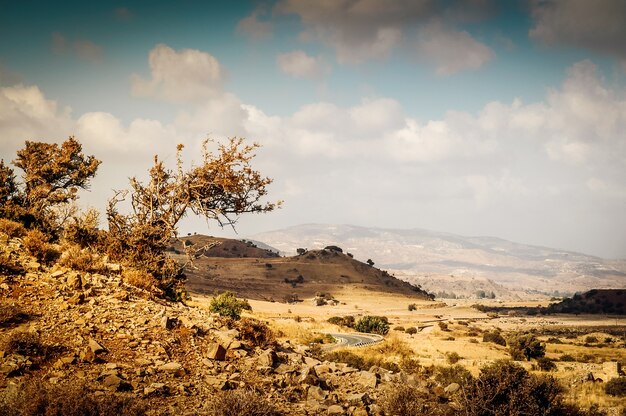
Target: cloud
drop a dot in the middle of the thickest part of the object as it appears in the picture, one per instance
(450, 51)
(300, 65)
(361, 30)
(595, 25)
(254, 28)
(81, 48)
(188, 75)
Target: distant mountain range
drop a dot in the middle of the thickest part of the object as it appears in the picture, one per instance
(457, 265)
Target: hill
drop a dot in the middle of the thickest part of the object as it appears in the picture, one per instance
(285, 279)
(430, 258)
(209, 246)
(597, 301)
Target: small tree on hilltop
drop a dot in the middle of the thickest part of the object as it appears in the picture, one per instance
(221, 188)
(226, 304)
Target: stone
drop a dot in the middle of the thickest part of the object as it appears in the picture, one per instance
(452, 388)
(285, 369)
(95, 347)
(357, 399)
(335, 409)
(77, 299)
(267, 358)
(367, 379)
(309, 376)
(156, 388)
(169, 322)
(216, 352)
(74, 281)
(115, 383)
(316, 393)
(57, 273)
(173, 368)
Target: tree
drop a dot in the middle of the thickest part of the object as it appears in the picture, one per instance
(52, 175)
(526, 347)
(226, 304)
(221, 188)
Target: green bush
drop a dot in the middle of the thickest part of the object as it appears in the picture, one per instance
(373, 325)
(227, 305)
(526, 347)
(453, 374)
(342, 320)
(616, 387)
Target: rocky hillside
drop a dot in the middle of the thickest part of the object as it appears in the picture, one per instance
(207, 246)
(421, 255)
(64, 331)
(286, 279)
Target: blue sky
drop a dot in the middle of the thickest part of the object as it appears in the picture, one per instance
(470, 116)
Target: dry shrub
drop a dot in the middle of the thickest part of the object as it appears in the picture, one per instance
(494, 337)
(37, 399)
(37, 244)
(255, 333)
(394, 347)
(453, 374)
(505, 388)
(453, 357)
(83, 229)
(11, 228)
(616, 387)
(139, 278)
(11, 314)
(240, 403)
(83, 260)
(405, 400)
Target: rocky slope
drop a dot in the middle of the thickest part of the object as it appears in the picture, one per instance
(421, 255)
(64, 327)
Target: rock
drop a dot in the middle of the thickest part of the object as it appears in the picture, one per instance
(335, 409)
(611, 369)
(169, 322)
(95, 347)
(115, 383)
(156, 388)
(267, 358)
(367, 379)
(309, 376)
(316, 393)
(358, 399)
(113, 267)
(285, 369)
(216, 352)
(77, 299)
(226, 337)
(74, 281)
(452, 388)
(57, 273)
(323, 369)
(173, 368)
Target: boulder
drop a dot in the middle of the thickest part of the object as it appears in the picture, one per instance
(216, 352)
(316, 393)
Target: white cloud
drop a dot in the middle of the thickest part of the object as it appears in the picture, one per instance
(450, 51)
(188, 75)
(300, 65)
(596, 25)
(253, 27)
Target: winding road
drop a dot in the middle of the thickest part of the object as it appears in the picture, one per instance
(355, 339)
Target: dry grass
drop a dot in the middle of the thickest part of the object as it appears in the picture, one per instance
(11, 314)
(85, 260)
(139, 278)
(38, 399)
(37, 244)
(239, 403)
(587, 395)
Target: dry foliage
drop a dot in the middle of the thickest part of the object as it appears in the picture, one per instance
(12, 228)
(11, 314)
(255, 333)
(37, 399)
(239, 403)
(139, 278)
(79, 259)
(52, 175)
(37, 244)
(404, 400)
(83, 229)
(222, 187)
(9, 267)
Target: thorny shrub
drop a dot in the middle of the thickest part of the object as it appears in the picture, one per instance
(526, 347)
(139, 278)
(37, 244)
(255, 333)
(34, 398)
(12, 228)
(84, 260)
(494, 337)
(616, 387)
(453, 374)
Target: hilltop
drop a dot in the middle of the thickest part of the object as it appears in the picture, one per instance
(430, 258)
(327, 271)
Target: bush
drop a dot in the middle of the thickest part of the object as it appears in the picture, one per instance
(37, 399)
(399, 328)
(37, 244)
(255, 333)
(9, 267)
(505, 388)
(347, 321)
(11, 228)
(239, 403)
(452, 357)
(373, 325)
(546, 364)
(567, 358)
(412, 307)
(526, 347)
(139, 278)
(494, 337)
(227, 305)
(81, 259)
(591, 339)
(616, 387)
(411, 330)
(347, 357)
(404, 399)
(443, 326)
(453, 374)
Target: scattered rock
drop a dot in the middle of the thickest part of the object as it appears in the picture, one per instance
(216, 352)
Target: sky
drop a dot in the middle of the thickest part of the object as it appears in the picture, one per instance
(475, 117)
